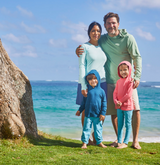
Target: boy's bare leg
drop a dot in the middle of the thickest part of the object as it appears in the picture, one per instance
(102, 145)
(135, 126)
(82, 121)
(123, 145)
(84, 146)
(115, 126)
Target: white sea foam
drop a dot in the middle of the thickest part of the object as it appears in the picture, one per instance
(156, 86)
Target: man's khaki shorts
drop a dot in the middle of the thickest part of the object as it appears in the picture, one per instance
(110, 104)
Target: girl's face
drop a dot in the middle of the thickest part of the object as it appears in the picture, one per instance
(95, 33)
(124, 71)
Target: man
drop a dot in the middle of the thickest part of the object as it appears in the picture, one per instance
(118, 46)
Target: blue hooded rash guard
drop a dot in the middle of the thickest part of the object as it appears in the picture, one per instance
(95, 103)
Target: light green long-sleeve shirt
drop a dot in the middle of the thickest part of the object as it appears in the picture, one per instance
(117, 49)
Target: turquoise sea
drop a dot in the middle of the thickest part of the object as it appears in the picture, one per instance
(55, 108)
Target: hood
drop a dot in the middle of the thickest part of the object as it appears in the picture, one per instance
(98, 78)
(130, 68)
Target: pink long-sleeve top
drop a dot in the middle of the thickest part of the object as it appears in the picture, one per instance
(123, 90)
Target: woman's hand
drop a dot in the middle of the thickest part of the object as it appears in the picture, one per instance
(84, 93)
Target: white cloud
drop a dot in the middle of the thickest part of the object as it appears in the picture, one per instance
(58, 43)
(78, 31)
(13, 38)
(4, 10)
(34, 29)
(145, 35)
(130, 5)
(158, 25)
(25, 12)
(25, 51)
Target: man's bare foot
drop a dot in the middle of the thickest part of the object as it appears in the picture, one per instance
(136, 145)
(84, 146)
(123, 145)
(94, 140)
(102, 145)
(114, 144)
(91, 142)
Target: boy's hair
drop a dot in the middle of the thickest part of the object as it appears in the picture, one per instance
(109, 15)
(124, 64)
(90, 77)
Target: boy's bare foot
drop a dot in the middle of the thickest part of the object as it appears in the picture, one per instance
(136, 145)
(102, 145)
(91, 142)
(84, 146)
(123, 145)
(114, 144)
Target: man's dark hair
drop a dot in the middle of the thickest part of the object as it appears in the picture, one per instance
(109, 15)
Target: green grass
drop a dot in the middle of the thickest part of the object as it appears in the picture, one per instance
(50, 149)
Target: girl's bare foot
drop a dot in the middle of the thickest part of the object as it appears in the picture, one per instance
(84, 146)
(102, 145)
(123, 145)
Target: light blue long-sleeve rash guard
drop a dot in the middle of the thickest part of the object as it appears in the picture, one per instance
(92, 58)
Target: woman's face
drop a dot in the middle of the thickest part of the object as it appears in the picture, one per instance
(95, 33)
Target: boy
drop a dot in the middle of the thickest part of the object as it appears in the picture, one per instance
(95, 109)
(122, 97)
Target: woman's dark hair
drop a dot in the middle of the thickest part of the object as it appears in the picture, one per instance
(92, 25)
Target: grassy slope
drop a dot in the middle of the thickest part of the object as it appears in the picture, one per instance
(57, 150)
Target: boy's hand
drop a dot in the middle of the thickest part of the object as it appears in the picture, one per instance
(78, 113)
(79, 51)
(102, 117)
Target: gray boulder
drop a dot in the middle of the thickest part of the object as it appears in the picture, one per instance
(17, 117)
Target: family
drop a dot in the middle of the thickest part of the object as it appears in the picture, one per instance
(109, 72)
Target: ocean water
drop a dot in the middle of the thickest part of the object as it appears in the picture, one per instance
(55, 108)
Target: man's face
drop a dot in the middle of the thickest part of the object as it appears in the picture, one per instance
(112, 26)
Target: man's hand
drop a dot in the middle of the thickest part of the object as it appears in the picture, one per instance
(78, 113)
(102, 117)
(84, 92)
(136, 83)
(79, 51)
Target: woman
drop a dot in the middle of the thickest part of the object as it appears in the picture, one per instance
(92, 58)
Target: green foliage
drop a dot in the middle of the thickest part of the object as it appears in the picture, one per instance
(48, 149)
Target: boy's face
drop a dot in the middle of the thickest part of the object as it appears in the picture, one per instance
(93, 82)
(124, 71)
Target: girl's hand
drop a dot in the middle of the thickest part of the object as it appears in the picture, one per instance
(84, 93)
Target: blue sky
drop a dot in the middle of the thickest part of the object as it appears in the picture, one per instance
(41, 36)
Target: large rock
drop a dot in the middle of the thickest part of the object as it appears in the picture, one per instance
(17, 117)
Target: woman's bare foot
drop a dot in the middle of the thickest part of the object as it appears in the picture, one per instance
(136, 145)
(123, 145)
(94, 140)
(102, 145)
(114, 144)
(84, 146)
(91, 142)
